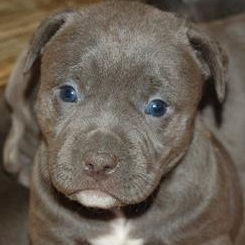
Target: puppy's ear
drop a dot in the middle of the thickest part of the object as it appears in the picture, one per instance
(20, 94)
(213, 60)
(46, 30)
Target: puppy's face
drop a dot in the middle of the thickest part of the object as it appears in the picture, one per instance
(117, 102)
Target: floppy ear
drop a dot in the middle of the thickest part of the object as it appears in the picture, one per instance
(20, 94)
(46, 30)
(213, 60)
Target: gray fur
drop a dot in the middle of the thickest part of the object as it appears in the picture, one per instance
(174, 182)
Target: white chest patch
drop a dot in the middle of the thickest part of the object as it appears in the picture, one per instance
(119, 235)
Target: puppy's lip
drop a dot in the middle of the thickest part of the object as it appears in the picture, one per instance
(95, 199)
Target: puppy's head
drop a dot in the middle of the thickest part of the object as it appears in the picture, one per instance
(119, 89)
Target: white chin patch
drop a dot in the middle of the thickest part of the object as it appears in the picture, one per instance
(95, 199)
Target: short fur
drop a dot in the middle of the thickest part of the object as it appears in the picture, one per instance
(174, 182)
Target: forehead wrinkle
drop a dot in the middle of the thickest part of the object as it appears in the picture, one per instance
(114, 45)
(100, 60)
(151, 77)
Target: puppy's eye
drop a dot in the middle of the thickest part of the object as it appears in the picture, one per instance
(156, 108)
(68, 94)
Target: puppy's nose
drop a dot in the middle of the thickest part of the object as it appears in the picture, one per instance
(99, 164)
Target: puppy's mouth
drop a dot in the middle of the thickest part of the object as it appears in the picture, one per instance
(95, 199)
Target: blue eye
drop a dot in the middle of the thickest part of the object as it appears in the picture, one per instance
(68, 94)
(156, 108)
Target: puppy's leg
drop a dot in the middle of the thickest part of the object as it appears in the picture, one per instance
(22, 139)
(13, 197)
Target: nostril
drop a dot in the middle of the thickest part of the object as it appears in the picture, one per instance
(89, 166)
(108, 168)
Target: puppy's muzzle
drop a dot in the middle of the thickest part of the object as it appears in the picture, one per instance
(99, 164)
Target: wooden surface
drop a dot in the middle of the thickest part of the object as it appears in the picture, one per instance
(18, 20)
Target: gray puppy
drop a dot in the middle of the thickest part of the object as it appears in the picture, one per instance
(123, 158)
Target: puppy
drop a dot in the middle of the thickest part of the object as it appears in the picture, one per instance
(122, 157)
